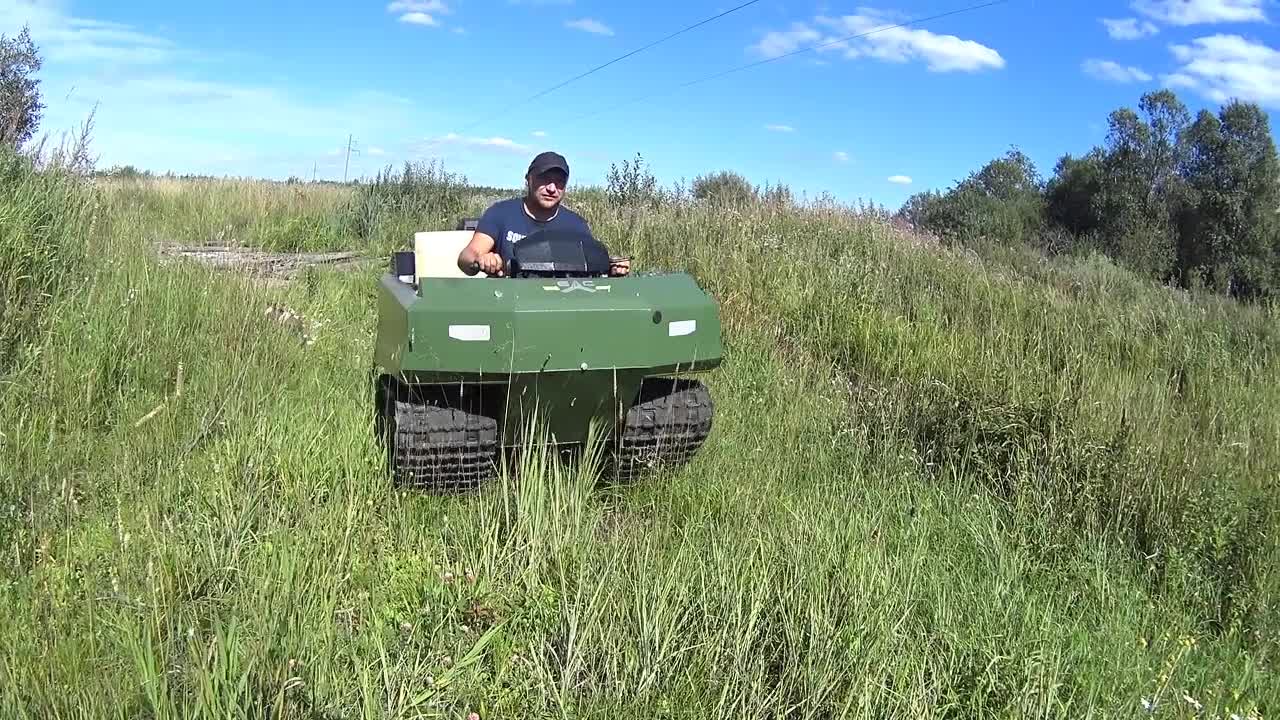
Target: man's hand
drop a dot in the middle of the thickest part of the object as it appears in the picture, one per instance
(491, 264)
(619, 266)
(472, 257)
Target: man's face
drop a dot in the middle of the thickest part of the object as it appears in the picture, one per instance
(547, 188)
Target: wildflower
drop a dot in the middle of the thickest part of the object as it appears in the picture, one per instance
(473, 716)
(1148, 705)
(1192, 702)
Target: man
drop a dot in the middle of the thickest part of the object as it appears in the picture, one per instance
(506, 222)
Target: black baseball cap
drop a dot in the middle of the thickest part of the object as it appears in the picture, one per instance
(548, 161)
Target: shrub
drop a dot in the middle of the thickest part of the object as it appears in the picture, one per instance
(724, 188)
(632, 185)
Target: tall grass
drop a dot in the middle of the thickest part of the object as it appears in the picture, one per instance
(374, 215)
(937, 487)
(46, 219)
(249, 213)
(1091, 408)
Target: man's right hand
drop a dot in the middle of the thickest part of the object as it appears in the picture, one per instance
(475, 256)
(491, 264)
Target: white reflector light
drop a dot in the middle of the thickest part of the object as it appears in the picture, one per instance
(682, 327)
(469, 333)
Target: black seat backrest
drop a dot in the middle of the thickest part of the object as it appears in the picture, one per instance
(468, 223)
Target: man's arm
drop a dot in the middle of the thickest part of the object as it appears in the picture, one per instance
(480, 246)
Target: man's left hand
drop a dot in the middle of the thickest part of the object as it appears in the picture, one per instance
(619, 266)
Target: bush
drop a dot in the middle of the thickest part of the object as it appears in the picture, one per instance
(632, 185)
(724, 188)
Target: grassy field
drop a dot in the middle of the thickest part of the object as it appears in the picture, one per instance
(940, 484)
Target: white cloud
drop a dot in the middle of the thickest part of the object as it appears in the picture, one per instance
(539, 133)
(1195, 12)
(376, 151)
(493, 143)
(590, 25)
(62, 38)
(154, 107)
(1222, 67)
(1129, 28)
(417, 18)
(780, 128)
(900, 179)
(1114, 72)
(427, 6)
(881, 41)
(782, 42)
(840, 156)
(419, 12)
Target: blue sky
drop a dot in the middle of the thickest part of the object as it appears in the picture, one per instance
(273, 89)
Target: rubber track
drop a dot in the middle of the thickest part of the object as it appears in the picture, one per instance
(442, 449)
(665, 428)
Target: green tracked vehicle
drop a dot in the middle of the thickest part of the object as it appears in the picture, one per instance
(462, 364)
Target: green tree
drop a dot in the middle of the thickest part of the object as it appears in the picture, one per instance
(1072, 191)
(1141, 191)
(1167, 121)
(20, 106)
(1003, 201)
(1012, 177)
(1228, 236)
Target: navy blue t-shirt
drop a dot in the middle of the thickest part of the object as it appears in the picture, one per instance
(507, 223)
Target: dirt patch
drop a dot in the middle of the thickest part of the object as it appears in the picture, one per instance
(271, 267)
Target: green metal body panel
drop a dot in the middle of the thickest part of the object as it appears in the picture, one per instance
(574, 351)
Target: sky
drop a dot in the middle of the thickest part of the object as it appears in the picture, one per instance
(275, 89)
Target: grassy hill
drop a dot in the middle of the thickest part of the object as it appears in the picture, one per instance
(941, 483)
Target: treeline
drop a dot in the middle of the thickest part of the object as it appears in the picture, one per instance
(1192, 202)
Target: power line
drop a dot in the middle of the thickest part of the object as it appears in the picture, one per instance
(758, 63)
(553, 88)
(642, 49)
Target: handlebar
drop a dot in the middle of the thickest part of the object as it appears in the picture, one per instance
(474, 267)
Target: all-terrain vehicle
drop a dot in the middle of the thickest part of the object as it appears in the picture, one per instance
(463, 363)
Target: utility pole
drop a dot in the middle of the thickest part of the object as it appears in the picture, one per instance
(348, 163)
